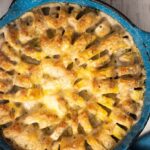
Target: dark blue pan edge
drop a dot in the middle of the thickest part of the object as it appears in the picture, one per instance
(141, 38)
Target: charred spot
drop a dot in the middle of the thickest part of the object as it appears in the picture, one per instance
(18, 104)
(14, 89)
(83, 65)
(115, 138)
(35, 125)
(80, 129)
(2, 36)
(70, 66)
(105, 108)
(34, 43)
(47, 130)
(85, 95)
(28, 21)
(51, 33)
(83, 12)
(78, 80)
(12, 113)
(4, 102)
(103, 53)
(46, 11)
(75, 36)
(47, 57)
(92, 43)
(30, 60)
(93, 121)
(122, 126)
(55, 15)
(58, 8)
(138, 88)
(80, 14)
(56, 56)
(70, 9)
(95, 57)
(87, 146)
(126, 37)
(67, 132)
(63, 32)
(133, 116)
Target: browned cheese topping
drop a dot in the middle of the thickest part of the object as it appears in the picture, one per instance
(71, 78)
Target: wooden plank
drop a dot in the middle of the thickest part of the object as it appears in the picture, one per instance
(4, 4)
(138, 11)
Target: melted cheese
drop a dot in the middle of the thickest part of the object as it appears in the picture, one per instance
(68, 75)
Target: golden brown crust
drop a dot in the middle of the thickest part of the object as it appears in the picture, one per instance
(73, 143)
(9, 112)
(10, 52)
(6, 64)
(27, 137)
(69, 80)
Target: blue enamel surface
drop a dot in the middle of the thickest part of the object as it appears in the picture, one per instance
(141, 38)
(142, 143)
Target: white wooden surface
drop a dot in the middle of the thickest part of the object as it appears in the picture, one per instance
(137, 10)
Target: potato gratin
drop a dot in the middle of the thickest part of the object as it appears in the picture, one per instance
(71, 78)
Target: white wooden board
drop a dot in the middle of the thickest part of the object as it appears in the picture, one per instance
(138, 11)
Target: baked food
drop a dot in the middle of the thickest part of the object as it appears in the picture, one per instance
(71, 78)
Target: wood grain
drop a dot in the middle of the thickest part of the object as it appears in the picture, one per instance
(138, 11)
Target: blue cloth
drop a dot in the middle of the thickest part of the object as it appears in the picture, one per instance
(143, 143)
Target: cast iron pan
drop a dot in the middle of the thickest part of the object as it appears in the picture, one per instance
(141, 39)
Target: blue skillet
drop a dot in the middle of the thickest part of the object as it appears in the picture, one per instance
(141, 38)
